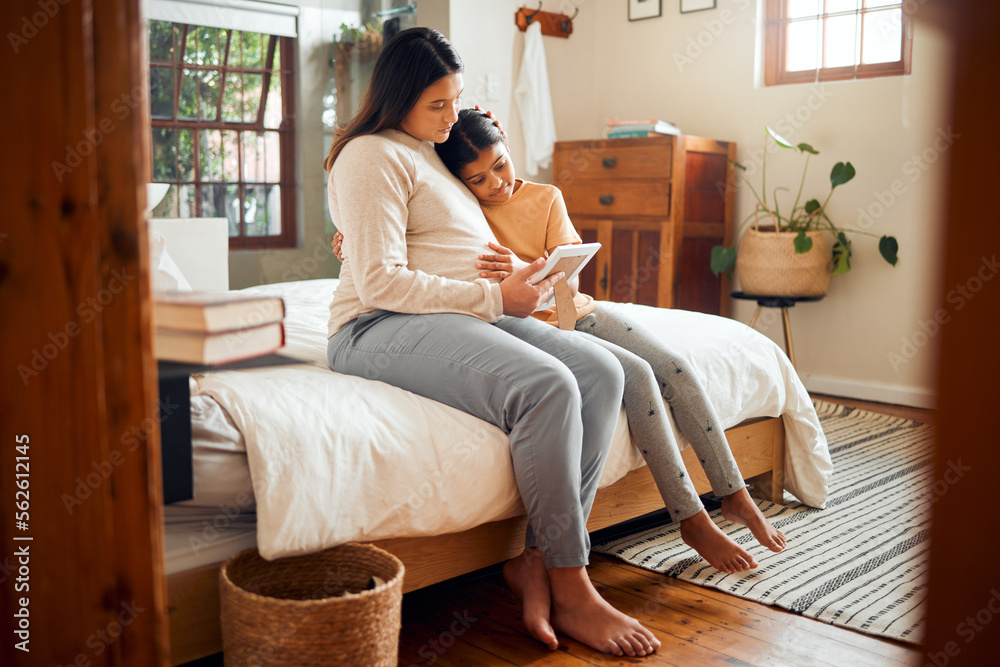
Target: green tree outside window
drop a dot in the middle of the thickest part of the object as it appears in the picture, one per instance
(221, 135)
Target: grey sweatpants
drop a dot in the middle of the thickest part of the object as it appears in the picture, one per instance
(654, 372)
(556, 393)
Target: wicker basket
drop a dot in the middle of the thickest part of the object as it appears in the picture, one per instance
(312, 610)
(768, 265)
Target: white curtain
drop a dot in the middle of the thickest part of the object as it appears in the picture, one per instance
(266, 17)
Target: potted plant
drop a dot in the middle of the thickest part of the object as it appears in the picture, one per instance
(365, 40)
(783, 252)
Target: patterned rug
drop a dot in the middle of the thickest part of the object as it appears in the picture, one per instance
(860, 563)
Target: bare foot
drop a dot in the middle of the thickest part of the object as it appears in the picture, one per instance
(526, 576)
(740, 508)
(579, 611)
(701, 534)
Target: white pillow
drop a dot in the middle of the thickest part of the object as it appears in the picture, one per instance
(166, 276)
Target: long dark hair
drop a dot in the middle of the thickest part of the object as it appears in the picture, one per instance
(408, 64)
(472, 132)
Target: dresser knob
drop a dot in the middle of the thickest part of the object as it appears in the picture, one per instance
(607, 200)
(609, 162)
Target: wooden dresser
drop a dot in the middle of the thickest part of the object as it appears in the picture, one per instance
(657, 205)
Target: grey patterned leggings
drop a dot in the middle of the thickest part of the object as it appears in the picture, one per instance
(654, 372)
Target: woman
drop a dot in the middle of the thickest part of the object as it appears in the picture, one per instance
(411, 311)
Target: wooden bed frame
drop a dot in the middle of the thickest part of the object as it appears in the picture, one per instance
(758, 446)
(193, 595)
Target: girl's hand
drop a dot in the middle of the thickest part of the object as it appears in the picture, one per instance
(338, 245)
(489, 114)
(500, 265)
(520, 297)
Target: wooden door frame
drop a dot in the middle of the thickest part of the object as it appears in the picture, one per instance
(80, 391)
(963, 605)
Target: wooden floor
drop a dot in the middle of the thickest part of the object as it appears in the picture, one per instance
(475, 621)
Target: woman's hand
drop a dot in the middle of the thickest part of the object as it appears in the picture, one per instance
(500, 265)
(520, 297)
(338, 245)
(489, 114)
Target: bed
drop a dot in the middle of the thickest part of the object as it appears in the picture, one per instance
(297, 458)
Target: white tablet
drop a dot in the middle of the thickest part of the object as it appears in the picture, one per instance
(570, 259)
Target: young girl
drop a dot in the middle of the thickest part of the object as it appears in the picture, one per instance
(531, 220)
(409, 293)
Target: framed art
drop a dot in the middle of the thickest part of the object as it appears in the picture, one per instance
(696, 5)
(643, 9)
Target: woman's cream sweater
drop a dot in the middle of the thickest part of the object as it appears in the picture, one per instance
(412, 233)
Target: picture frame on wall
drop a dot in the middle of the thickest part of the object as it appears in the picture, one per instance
(644, 9)
(696, 5)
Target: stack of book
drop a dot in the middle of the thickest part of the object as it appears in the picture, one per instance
(216, 327)
(645, 127)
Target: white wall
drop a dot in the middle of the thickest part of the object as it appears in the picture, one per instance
(484, 35)
(868, 337)
(489, 42)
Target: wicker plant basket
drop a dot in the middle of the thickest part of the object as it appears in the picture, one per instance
(312, 610)
(767, 264)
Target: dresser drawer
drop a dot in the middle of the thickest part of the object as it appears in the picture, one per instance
(618, 198)
(613, 159)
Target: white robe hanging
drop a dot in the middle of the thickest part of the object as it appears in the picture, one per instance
(534, 103)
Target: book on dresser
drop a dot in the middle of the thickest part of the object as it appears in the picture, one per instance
(619, 129)
(216, 327)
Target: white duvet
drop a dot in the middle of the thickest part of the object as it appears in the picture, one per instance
(335, 458)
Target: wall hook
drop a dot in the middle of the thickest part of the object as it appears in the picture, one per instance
(553, 24)
(567, 25)
(530, 17)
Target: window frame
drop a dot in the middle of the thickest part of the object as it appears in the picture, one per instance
(775, 50)
(288, 236)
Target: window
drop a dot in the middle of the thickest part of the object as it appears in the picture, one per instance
(829, 40)
(222, 108)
